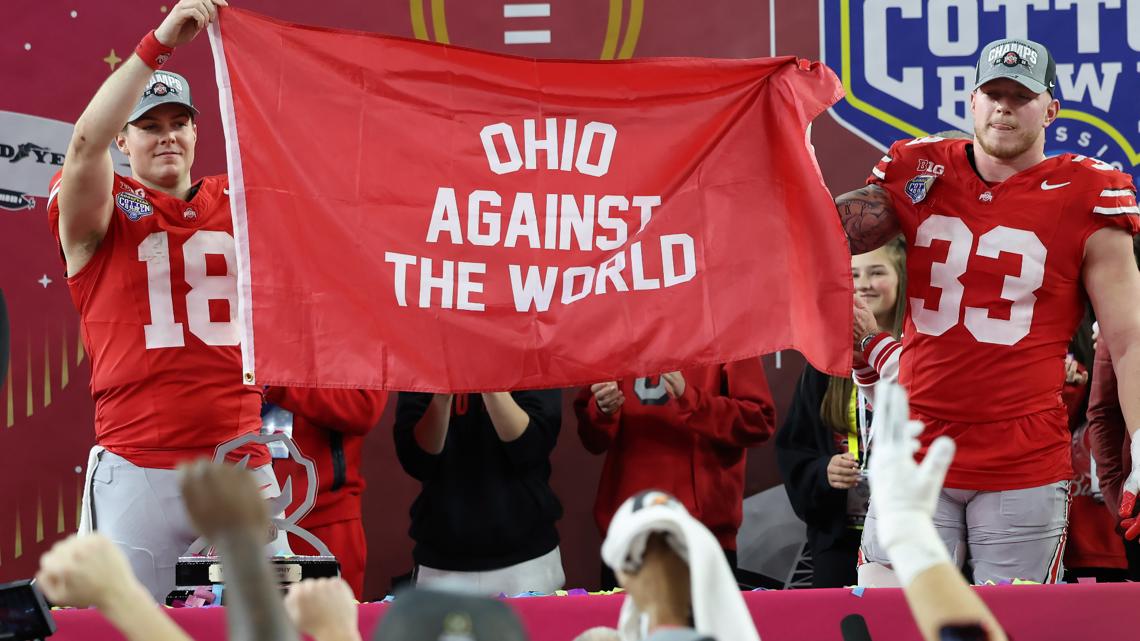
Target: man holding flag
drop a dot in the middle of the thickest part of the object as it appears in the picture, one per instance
(150, 266)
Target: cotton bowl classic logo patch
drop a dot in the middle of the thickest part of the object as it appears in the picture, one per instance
(918, 187)
(135, 207)
(908, 68)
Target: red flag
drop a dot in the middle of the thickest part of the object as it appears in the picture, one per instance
(415, 216)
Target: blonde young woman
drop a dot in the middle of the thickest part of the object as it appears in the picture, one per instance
(820, 448)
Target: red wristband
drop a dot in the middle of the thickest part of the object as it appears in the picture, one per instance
(152, 52)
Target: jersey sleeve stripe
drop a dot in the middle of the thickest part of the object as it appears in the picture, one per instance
(1117, 193)
(886, 356)
(879, 173)
(1116, 211)
(54, 192)
(886, 159)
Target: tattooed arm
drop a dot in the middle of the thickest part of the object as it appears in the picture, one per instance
(868, 218)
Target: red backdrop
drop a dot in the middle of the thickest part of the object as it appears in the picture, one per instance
(56, 53)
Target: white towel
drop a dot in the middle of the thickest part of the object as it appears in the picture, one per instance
(718, 608)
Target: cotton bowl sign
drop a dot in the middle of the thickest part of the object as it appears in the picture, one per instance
(908, 67)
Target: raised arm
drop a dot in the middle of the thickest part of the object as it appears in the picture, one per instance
(90, 570)
(510, 420)
(225, 506)
(868, 218)
(906, 494)
(85, 191)
(528, 423)
(421, 422)
(741, 416)
(597, 427)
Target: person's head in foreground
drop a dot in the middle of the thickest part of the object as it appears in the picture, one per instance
(679, 585)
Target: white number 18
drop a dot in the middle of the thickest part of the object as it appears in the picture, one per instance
(162, 331)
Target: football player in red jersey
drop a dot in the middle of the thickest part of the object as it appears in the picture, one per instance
(150, 262)
(1004, 246)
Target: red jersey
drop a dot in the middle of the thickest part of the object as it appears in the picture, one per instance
(693, 447)
(158, 309)
(329, 427)
(995, 294)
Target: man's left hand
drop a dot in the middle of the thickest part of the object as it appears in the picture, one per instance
(864, 324)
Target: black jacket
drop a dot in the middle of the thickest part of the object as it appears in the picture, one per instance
(485, 504)
(804, 446)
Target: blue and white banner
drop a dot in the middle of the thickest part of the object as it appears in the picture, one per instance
(908, 67)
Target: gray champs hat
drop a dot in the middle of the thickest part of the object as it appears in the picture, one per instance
(1025, 61)
(438, 615)
(164, 87)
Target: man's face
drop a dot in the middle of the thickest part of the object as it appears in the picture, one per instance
(160, 144)
(1009, 119)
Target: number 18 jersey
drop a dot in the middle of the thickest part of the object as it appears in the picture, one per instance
(994, 285)
(158, 307)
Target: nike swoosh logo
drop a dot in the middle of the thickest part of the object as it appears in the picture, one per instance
(1046, 186)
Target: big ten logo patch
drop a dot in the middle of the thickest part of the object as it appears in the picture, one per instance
(908, 67)
(927, 167)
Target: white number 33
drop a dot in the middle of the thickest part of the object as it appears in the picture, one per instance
(1018, 289)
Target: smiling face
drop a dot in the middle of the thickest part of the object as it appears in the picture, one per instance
(877, 283)
(1010, 120)
(160, 145)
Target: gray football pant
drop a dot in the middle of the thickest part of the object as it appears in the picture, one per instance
(1011, 534)
(141, 510)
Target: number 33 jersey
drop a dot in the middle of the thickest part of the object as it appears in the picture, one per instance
(994, 288)
(158, 309)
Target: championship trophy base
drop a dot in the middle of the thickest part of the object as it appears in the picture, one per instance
(207, 571)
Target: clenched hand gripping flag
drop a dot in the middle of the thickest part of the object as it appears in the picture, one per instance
(415, 216)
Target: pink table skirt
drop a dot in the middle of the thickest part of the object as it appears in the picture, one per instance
(1104, 612)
